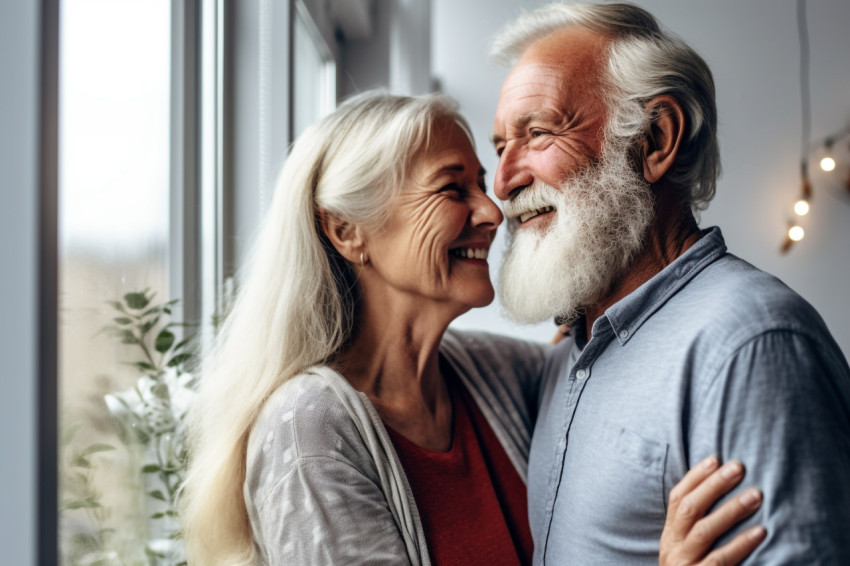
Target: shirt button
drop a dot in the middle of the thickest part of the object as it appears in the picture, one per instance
(624, 334)
(581, 374)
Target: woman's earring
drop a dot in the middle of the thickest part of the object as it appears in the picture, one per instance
(362, 263)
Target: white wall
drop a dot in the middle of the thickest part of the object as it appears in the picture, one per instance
(752, 48)
(395, 56)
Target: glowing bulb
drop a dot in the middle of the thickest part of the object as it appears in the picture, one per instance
(796, 233)
(801, 207)
(827, 164)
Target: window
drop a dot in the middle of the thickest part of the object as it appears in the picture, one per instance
(161, 183)
(172, 124)
(114, 196)
(314, 73)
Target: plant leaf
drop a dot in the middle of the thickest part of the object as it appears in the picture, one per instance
(144, 366)
(81, 462)
(123, 320)
(148, 325)
(152, 310)
(151, 469)
(151, 552)
(127, 337)
(87, 504)
(95, 448)
(179, 359)
(136, 300)
(157, 494)
(161, 391)
(68, 434)
(164, 341)
(117, 306)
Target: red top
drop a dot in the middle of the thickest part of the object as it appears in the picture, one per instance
(471, 499)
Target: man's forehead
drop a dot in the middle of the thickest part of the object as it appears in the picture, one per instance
(570, 46)
(572, 54)
(553, 72)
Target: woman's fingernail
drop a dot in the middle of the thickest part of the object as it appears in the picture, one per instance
(756, 533)
(709, 463)
(732, 470)
(750, 498)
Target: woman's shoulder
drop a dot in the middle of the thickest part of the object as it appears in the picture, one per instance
(494, 352)
(307, 415)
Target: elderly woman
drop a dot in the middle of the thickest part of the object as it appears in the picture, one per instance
(338, 420)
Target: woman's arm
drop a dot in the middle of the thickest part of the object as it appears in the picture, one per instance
(320, 487)
(689, 532)
(327, 512)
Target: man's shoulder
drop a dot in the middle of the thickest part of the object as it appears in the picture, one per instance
(742, 298)
(728, 305)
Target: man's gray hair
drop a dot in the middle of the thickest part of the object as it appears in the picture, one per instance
(644, 62)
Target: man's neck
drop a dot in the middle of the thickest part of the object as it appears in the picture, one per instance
(672, 233)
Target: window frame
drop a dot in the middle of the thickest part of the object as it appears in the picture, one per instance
(231, 126)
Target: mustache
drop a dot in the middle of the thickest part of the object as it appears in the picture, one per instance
(535, 196)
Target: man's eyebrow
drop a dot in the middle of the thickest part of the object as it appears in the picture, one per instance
(523, 120)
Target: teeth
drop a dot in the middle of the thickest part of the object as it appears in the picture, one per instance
(470, 253)
(527, 215)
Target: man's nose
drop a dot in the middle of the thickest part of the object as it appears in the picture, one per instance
(512, 173)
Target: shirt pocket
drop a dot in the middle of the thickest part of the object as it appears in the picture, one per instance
(617, 490)
(635, 469)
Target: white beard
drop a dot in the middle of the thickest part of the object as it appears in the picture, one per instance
(602, 214)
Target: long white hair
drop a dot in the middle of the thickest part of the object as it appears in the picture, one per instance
(296, 306)
(644, 61)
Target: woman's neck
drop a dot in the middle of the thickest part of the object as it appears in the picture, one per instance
(394, 359)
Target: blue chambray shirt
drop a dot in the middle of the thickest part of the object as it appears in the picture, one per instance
(710, 356)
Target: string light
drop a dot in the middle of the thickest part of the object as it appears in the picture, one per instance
(796, 233)
(801, 207)
(827, 163)
(822, 151)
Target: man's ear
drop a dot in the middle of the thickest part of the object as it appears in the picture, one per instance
(347, 238)
(663, 137)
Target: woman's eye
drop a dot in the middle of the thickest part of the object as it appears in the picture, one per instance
(537, 133)
(454, 187)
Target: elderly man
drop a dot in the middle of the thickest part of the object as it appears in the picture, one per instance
(606, 132)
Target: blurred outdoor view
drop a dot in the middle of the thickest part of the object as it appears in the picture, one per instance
(114, 239)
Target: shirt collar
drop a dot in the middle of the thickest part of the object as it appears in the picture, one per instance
(627, 315)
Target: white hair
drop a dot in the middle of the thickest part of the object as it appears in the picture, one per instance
(644, 61)
(602, 215)
(297, 303)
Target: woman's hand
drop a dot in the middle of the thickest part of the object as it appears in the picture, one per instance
(561, 333)
(689, 533)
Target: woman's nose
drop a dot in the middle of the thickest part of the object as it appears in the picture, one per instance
(485, 212)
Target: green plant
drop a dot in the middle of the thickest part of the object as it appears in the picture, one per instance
(79, 496)
(152, 413)
(147, 326)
